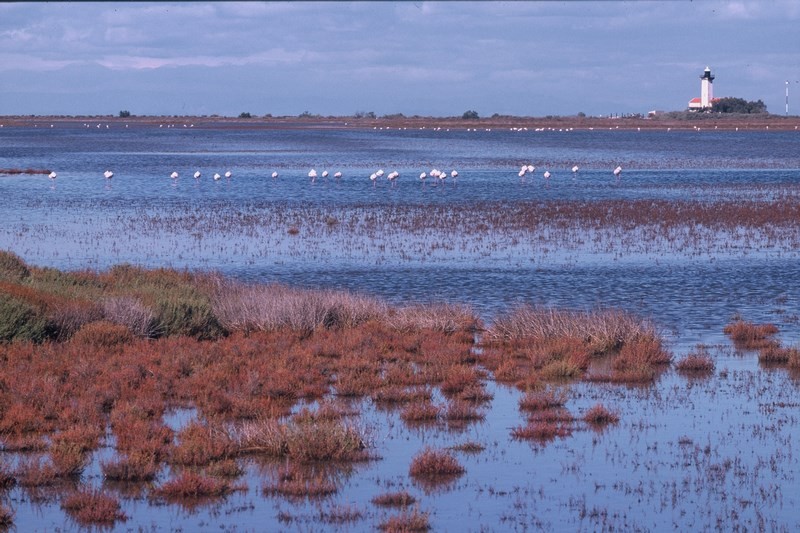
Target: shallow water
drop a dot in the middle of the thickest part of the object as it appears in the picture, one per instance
(694, 454)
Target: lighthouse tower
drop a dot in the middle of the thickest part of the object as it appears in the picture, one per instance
(706, 88)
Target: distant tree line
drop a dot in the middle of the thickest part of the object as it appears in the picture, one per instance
(739, 105)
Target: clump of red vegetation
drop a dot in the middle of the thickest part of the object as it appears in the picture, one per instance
(193, 486)
(541, 431)
(408, 521)
(778, 355)
(697, 362)
(750, 336)
(544, 399)
(93, 507)
(530, 345)
(6, 517)
(430, 464)
(394, 499)
(301, 482)
(599, 415)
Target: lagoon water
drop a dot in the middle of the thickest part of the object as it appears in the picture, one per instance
(239, 226)
(346, 236)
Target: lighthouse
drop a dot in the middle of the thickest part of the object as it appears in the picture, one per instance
(706, 100)
(706, 88)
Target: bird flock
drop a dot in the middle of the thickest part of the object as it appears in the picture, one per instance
(435, 173)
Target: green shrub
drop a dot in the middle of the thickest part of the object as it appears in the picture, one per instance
(191, 316)
(20, 321)
(12, 267)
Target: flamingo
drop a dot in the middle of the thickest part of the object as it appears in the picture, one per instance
(379, 173)
(531, 168)
(216, 176)
(108, 174)
(197, 175)
(312, 174)
(441, 175)
(547, 174)
(52, 175)
(454, 174)
(521, 174)
(423, 176)
(324, 173)
(174, 175)
(373, 177)
(228, 174)
(274, 174)
(617, 171)
(392, 176)
(575, 169)
(337, 175)
(523, 169)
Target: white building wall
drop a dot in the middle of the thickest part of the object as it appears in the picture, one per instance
(706, 93)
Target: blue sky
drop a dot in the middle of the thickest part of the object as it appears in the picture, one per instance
(425, 58)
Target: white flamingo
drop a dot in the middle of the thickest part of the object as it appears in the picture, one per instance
(228, 174)
(312, 174)
(337, 175)
(373, 177)
(324, 173)
(52, 175)
(379, 173)
(521, 173)
(174, 175)
(274, 174)
(575, 169)
(423, 176)
(531, 168)
(454, 174)
(618, 171)
(547, 174)
(217, 176)
(392, 176)
(197, 174)
(108, 174)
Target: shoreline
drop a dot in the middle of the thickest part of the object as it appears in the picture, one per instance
(688, 122)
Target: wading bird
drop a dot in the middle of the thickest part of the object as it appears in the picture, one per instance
(392, 176)
(108, 174)
(547, 174)
(52, 175)
(373, 177)
(575, 169)
(454, 174)
(324, 173)
(228, 174)
(274, 174)
(312, 174)
(423, 176)
(618, 171)
(337, 175)
(197, 174)
(217, 176)
(174, 175)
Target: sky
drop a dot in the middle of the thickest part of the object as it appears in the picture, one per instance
(523, 58)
